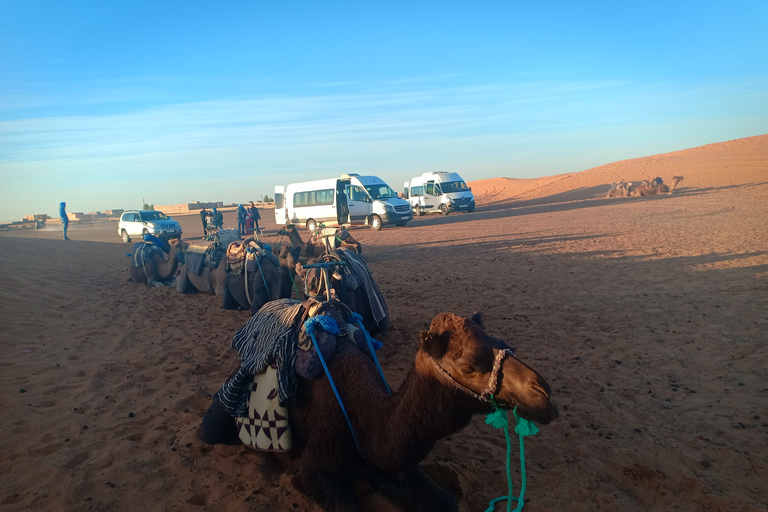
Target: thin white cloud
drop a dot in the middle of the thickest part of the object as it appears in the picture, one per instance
(496, 126)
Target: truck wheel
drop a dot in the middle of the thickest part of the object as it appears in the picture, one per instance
(444, 209)
(311, 225)
(125, 236)
(375, 223)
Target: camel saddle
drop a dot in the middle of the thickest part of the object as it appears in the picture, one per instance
(144, 251)
(248, 253)
(200, 254)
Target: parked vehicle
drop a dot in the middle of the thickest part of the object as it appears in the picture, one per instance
(441, 191)
(135, 223)
(348, 200)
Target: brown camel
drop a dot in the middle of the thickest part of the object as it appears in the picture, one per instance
(457, 367)
(152, 266)
(314, 247)
(268, 280)
(656, 187)
(620, 189)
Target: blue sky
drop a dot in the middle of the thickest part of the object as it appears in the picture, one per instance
(106, 103)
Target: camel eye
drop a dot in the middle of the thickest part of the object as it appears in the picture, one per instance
(467, 370)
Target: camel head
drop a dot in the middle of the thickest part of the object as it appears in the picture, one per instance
(289, 258)
(463, 355)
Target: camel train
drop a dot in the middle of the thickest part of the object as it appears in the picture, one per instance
(652, 187)
(308, 367)
(247, 274)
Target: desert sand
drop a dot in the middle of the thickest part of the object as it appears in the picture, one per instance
(648, 316)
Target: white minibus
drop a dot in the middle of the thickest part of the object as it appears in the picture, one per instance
(348, 200)
(440, 191)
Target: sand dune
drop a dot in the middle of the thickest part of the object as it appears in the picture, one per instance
(648, 316)
(736, 162)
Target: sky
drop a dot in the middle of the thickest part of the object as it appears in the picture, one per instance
(107, 104)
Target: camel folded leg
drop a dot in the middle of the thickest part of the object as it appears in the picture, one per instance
(411, 489)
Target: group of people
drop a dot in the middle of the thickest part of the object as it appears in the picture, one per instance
(247, 218)
(212, 220)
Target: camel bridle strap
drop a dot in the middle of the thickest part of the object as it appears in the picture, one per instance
(493, 381)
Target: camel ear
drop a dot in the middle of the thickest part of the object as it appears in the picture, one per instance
(434, 344)
(478, 319)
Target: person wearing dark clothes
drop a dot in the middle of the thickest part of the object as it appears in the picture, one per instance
(64, 218)
(240, 219)
(255, 214)
(218, 219)
(203, 213)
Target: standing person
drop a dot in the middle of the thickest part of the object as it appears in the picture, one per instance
(218, 219)
(255, 214)
(203, 213)
(64, 218)
(240, 219)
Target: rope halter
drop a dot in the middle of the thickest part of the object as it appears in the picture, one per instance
(493, 380)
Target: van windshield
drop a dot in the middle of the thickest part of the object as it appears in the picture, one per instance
(454, 186)
(145, 216)
(380, 191)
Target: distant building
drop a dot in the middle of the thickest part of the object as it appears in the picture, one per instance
(179, 209)
(42, 217)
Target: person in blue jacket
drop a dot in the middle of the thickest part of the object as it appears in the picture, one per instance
(64, 218)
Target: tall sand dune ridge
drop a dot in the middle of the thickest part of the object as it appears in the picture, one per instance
(735, 162)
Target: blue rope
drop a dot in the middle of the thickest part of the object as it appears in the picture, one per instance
(373, 345)
(260, 270)
(309, 326)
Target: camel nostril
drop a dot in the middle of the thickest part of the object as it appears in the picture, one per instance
(536, 387)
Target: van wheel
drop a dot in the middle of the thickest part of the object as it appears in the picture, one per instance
(444, 209)
(311, 225)
(125, 236)
(375, 222)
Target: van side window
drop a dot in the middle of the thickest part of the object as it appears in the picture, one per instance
(417, 191)
(429, 188)
(357, 193)
(313, 198)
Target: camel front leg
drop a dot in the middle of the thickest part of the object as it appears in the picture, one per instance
(333, 493)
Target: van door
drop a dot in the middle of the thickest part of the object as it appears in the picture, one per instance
(431, 199)
(280, 209)
(360, 204)
(342, 202)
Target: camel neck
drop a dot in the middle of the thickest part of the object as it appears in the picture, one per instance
(168, 267)
(421, 412)
(295, 238)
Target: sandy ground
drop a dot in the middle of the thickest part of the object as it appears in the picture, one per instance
(648, 316)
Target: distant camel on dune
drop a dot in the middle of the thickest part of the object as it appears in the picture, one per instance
(653, 187)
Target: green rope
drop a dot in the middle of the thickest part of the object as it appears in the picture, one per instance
(295, 288)
(498, 419)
